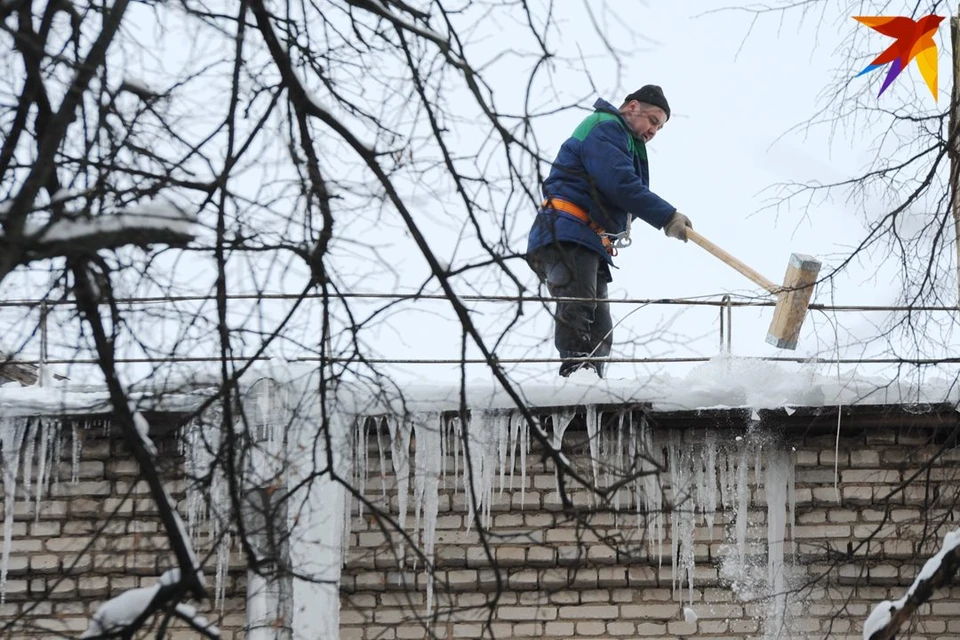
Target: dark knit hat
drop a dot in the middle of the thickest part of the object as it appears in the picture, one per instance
(651, 94)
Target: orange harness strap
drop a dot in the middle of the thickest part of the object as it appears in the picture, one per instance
(568, 207)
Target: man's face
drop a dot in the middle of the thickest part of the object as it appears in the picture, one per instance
(645, 120)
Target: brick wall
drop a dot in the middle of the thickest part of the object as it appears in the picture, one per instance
(95, 535)
(546, 573)
(539, 570)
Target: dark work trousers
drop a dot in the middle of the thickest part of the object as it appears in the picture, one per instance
(582, 329)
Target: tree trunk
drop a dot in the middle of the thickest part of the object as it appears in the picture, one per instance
(954, 143)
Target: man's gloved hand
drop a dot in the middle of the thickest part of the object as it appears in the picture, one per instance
(676, 226)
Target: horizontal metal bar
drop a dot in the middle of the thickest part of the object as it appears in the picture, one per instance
(27, 303)
(910, 361)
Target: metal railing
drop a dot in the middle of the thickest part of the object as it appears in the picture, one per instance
(725, 305)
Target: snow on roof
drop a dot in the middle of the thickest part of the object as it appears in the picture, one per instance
(723, 382)
(62, 398)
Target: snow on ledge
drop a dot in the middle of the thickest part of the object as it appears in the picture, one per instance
(62, 398)
(722, 383)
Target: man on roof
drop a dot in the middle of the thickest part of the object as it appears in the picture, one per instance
(599, 182)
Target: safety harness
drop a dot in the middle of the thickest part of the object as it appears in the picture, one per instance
(611, 241)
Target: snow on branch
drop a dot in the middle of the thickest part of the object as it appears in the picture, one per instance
(144, 225)
(143, 430)
(122, 614)
(887, 617)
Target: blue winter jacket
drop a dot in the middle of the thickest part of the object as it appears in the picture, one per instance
(602, 168)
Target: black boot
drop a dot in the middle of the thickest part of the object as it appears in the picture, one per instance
(568, 367)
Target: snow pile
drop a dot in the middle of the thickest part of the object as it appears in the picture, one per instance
(723, 382)
(50, 400)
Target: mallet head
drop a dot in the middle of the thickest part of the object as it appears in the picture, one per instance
(793, 300)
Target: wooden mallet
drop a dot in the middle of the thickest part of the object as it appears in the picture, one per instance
(793, 297)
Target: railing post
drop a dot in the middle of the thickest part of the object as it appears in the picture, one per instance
(44, 311)
(726, 329)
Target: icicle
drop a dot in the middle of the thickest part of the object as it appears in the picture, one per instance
(792, 498)
(345, 467)
(515, 421)
(449, 448)
(400, 453)
(378, 430)
(776, 489)
(593, 434)
(456, 433)
(758, 465)
(45, 430)
(75, 454)
(189, 440)
(524, 449)
(360, 463)
(605, 458)
(29, 450)
(470, 467)
(633, 451)
(723, 473)
(650, 493)
(621, 464)
(57, 455)
(776, 481)
(682, 515)
(428, 462)
(482, 462)
(219, 499)
(698, 460)
(710, 477)
(11, 438)
(673, 463)
(501, 423)
(419, 474)
(686, 558)
(743, 500)
(209, 512)
(561, 420)
(223, 565)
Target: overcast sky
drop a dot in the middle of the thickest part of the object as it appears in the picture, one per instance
(738, 91)
(738, 88)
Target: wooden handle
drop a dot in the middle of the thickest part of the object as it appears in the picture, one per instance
(733, 262)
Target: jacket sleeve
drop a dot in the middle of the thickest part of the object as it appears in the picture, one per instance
(609, 162)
